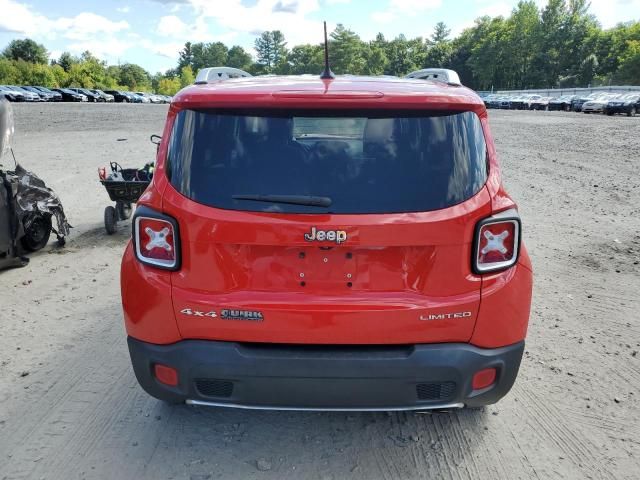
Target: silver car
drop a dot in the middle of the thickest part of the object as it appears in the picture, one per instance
(597, 105)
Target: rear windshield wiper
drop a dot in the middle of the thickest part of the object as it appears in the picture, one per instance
(289, 199)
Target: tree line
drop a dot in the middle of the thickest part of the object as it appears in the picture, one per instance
(559, 45)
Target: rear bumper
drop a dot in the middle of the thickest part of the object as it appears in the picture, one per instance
(415, 377)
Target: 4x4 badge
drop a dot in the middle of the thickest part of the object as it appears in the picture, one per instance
(338, 236)
(198, 313)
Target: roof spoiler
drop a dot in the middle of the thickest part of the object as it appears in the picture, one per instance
(215, 74)
(450, 77)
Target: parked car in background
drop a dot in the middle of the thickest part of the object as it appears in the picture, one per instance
(627, 104)
(504, 102)
(12, 95)
(139, 98)
(92, 97)
(579, 101)
(530, 99)
(69, 95)
(597, 104)
(118, 96)
(106, 97)
(57, 96)
(28, 96)
(150, 98)
(31, 95)
(522, 102)
(561, 103)
(541, 103)
(46, 95)
(492, 101)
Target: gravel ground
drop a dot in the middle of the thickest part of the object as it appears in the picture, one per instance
(70, 406)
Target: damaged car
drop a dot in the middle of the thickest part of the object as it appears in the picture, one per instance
(27, 206)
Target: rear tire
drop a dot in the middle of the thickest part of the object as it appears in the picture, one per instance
(38, 233)
(632, 112)
(110, 220)
(124, 210)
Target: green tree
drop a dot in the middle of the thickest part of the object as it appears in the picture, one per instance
(440, 33)
(8, 72)
(375, 59)
(26, 50)
(186, 76)
(239, 58)
(134, 77)
(271, 51)
(185, 57)
(440, 50)
(306, 59)
(168, 86)
(346, 51)
(66, 60)
(404, 55)
(629, 70)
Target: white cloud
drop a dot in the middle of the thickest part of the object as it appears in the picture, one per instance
(495, 10)
(401, 8)
(167, 50)
(171, 26)
(291, 17)
(19, 18)
(85, 26)
(612, 12)
(86, 31)
(125, 9)
(110, 48)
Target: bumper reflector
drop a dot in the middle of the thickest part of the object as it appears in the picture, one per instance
(484, 378)
(166, 375)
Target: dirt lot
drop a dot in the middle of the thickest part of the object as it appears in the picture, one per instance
(70, 407)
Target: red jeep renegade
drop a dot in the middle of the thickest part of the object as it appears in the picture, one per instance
(327, 244)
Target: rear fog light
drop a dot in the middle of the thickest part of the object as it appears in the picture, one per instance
(484, 378)
(166, 375)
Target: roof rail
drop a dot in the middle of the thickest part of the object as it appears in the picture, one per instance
(449, 77)
(214, 74)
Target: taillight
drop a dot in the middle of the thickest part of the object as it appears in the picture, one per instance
(497, 242)
(155, 238)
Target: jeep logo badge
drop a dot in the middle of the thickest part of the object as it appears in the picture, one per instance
(338, 236)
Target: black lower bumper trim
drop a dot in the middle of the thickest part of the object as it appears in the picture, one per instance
(264, 376)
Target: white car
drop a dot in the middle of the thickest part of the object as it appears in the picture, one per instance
(597, 105)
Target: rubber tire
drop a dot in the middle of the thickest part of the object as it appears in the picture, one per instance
(632, 112)
(37, 236)
(124, 210)
(567, 108)
(110, 220)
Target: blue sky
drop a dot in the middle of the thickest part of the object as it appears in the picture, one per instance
(151, 32)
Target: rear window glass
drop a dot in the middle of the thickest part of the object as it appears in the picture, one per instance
(355, 162)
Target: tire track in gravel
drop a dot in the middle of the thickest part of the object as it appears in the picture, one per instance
(66, 418)
(574, 442)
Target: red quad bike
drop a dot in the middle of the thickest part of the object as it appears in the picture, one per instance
(329, 244)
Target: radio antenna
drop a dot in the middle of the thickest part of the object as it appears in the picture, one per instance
(327, 74)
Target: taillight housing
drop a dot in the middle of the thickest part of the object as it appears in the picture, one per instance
(497, 242)
(156, 239)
